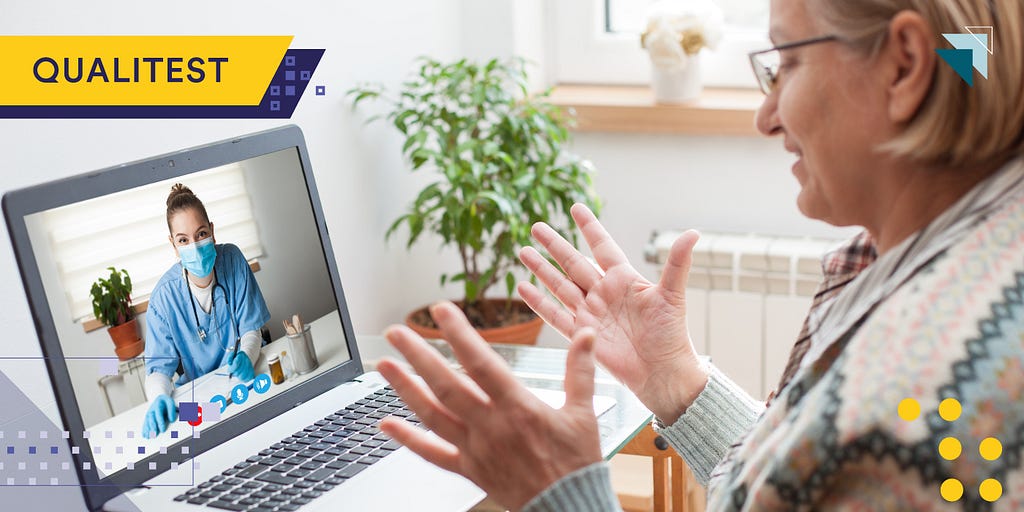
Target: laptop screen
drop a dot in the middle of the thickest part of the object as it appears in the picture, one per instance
(243, 269)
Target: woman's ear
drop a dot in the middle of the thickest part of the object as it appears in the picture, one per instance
(910, 52)
(173, 246)
(213, 234)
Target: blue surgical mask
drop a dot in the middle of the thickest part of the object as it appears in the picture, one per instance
(198, 258)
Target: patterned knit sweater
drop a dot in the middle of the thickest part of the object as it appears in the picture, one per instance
(939, 317)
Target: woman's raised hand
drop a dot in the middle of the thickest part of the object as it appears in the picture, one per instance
(642, 337)
(489, 427)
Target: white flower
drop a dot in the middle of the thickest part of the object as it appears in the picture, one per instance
(678, 29)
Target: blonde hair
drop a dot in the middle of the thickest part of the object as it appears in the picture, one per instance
(956, 125)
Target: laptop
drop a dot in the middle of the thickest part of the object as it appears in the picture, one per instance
(309, 442)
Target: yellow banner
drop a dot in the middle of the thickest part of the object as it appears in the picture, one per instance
(138, 70)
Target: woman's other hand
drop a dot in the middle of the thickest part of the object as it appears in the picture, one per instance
(642, 337)
(489, 427)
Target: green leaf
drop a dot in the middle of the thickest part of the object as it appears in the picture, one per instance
(362, 94)
(510, 283)
(402, 120)
(416, 139)
(415, 228)
(394, 226)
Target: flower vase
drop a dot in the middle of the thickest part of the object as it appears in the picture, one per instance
(677, 84)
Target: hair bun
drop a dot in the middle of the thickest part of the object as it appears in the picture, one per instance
(178, 190)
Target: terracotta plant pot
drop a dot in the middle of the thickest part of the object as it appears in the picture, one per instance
(127, 343)
(524, 333)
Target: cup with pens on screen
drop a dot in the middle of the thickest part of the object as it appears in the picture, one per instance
(300, 356)
(300, 345)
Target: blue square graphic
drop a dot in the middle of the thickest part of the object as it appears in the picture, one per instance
(275, 106)
(289, 60)
(174, 434)
(275, 90)
(10, 450)
(289, 90)
(188, 411)
(305, 74)
(142, 450)
(289, 75)
(321, 90)
(53, 450)
(32, 450)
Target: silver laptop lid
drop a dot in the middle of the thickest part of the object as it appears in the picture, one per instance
(263, 203)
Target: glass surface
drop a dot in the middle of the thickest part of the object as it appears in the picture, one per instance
(291, 275)
(544, 368)
(630, 16)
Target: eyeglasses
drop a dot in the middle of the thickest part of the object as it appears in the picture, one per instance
(766, 62)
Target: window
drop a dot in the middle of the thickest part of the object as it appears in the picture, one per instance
(598, 41)
(86, 238)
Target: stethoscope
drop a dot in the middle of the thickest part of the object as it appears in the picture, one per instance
(200, 331)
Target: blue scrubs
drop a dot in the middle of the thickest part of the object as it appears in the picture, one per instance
(171, 330)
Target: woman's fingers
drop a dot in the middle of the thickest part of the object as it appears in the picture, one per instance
(482, 363)
(579, 371)
(555, 315)
(422, 402)
(579, 269)
(553, 279)
(432, 449)
(677, 268)
(454, 393)
(607, 253)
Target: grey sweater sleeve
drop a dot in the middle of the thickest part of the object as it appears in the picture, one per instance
(717, 418)
(588, 488)
(721, 414)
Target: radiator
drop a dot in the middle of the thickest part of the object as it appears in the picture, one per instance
(746, 299)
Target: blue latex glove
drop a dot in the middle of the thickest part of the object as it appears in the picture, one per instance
(162, 412)
(241, 367)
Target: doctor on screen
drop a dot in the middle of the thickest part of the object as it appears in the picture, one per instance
(198, 310)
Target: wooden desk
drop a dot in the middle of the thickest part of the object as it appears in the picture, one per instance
(675, 488)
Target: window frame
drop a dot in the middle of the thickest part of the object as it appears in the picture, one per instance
(585, 53)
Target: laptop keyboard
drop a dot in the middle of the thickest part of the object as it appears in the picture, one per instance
(310, 462)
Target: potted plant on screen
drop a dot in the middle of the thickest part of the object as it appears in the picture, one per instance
(112, 305)
(501, 165)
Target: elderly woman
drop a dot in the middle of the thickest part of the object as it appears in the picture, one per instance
(926, 304)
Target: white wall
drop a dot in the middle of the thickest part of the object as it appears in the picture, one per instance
(293, 275)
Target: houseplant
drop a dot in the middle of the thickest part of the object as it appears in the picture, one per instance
(501, 163)
(112, 305)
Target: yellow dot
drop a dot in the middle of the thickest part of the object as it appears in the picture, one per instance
(949, 409)
(909, 409)
(950, 448)
(990, 448)
(990, 489)
(952, 489)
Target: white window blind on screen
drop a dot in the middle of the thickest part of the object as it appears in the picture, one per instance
(129, 230)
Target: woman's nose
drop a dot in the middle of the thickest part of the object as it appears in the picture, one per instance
(767, 118)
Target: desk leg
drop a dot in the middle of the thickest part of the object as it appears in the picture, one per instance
(661, 483)
(678, 487)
